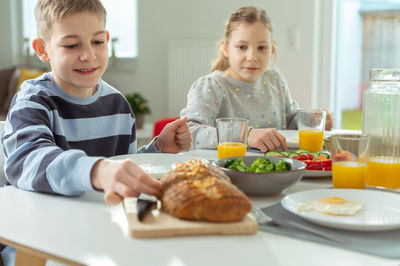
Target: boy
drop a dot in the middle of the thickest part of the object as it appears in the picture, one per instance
(61, 125)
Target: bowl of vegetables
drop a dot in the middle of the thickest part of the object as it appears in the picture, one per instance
(262, 175)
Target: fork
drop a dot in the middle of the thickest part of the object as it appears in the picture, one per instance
(263, 219)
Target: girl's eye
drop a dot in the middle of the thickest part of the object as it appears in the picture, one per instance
(263, 48)
(242, 47)
(98, 42)
(71, 46)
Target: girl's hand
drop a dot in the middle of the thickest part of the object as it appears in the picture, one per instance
(329, 121)
(266, 139)
(120, 179)
(175, 137)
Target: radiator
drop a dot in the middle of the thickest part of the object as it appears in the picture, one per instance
(188, 60)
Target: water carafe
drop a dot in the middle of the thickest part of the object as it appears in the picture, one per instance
(381, 122)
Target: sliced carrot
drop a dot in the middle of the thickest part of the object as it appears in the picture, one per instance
(322, 158)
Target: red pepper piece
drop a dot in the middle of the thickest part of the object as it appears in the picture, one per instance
(326, 163)
(302, 157)
(314, 165)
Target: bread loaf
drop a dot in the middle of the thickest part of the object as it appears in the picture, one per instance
(198, 190)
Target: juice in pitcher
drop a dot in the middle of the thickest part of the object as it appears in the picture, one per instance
(349, 174)
(231, 149)
(383, 172)
(311, 139)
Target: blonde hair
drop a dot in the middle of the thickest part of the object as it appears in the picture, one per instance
(249, 15)
(48, 12)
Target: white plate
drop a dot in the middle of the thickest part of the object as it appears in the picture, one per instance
(156, 164)
(292, 138)
(381, 210)
(316, 174)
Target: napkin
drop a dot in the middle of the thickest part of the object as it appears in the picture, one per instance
(383, 244)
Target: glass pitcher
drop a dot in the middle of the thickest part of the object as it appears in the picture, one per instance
(381, 122)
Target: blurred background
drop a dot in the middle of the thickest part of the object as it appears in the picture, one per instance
(159, 48)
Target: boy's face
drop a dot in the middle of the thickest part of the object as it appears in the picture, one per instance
(77, 52)
(249, 51)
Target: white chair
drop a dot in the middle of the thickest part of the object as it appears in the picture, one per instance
(3, 179)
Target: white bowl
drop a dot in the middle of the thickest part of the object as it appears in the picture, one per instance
(264, 184)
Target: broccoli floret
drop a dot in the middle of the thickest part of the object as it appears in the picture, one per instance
(256, 164)
(266, 168)
(237, 164)
(262, 165)
(282, 166)
(228, 163)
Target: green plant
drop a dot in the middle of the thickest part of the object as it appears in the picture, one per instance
(138, 103)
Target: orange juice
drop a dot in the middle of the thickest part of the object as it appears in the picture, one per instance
(383, 172)
(311, 140)
(349, 174)
(231, 149)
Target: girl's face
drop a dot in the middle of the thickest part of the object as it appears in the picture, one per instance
(249, 51)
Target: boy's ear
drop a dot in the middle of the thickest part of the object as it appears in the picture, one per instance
(273, 47)
(107, 35)
(40, 48)
(224, 48)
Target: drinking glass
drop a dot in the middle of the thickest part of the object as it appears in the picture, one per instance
(349, 161)
(232, 137)
(311, 124)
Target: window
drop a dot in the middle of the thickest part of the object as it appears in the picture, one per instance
(367, 37)
(123, 39)
(122, 24)
(381, 34)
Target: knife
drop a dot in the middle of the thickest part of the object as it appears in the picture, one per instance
(143, 206)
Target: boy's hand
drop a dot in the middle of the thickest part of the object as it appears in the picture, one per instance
(266, 139)
(121, 179)
(175, 137)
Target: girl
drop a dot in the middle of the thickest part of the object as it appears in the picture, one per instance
(242, 86)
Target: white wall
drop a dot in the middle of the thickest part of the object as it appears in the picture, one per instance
(161, 21)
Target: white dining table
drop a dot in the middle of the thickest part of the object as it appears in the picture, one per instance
(85, 230)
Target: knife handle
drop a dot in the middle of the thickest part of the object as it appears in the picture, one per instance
(143, 206)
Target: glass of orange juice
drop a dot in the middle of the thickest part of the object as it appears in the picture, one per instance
(311, 124)
(232, 137)
(349, 161)
(383, 171)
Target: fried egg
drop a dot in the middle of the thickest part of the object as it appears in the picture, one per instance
(332, 206)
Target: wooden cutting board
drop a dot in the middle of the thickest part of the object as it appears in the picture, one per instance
(160, 224)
